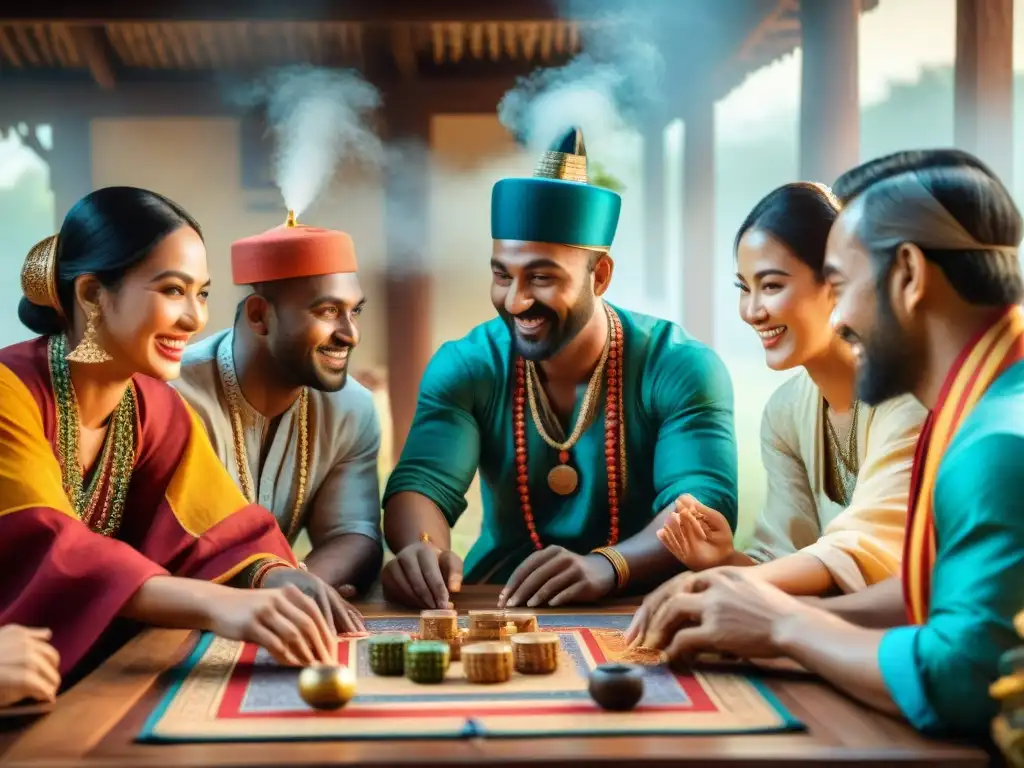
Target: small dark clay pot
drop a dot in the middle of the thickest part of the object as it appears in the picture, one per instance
(617, 687)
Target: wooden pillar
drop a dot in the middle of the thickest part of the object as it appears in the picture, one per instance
(829, 100)
(70, 163)
(408, 280)
(984, 83)
(655, 256)
(699, 221)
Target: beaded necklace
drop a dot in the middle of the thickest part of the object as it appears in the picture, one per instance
(614, 432)
(231, 387)
(113, 473)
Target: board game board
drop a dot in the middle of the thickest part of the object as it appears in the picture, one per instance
(229, 691)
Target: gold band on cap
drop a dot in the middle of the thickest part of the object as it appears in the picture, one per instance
(39, 275)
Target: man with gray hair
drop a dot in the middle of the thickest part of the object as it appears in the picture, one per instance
(923, 259)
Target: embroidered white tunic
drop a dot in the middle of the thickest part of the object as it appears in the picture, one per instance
(342, 484)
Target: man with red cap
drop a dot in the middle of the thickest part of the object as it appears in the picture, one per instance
(297, 434)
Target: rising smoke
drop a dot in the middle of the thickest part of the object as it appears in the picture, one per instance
(608, 90)
(318, 118)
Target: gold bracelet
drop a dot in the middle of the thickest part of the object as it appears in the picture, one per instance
(618, 562)
(265, 567)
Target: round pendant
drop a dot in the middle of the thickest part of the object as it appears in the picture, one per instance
(563, 479)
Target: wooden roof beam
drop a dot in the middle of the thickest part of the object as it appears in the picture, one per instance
(367, 11)
(93, 51)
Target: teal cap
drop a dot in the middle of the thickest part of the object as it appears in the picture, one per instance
(557, 204)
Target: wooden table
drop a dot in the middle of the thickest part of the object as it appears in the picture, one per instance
(95, 722)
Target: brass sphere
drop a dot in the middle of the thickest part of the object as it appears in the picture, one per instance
(327, 687)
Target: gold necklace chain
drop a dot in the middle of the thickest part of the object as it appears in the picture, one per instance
(589, 399)
(242, 457)
(844, 461)
(229, 381)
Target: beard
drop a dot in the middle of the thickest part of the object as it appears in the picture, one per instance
(558, 332)
(300, 366)
(886, 367)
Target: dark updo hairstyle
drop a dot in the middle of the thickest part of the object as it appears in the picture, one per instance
(105, 234)
(798, 215)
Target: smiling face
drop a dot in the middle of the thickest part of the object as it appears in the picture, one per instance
(311, 327)
(783, 300)
(885, 354)
(546, 293)
(150, 315)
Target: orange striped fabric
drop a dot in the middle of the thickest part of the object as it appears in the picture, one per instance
(981, 363)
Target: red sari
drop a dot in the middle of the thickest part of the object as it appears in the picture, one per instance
(182, 514)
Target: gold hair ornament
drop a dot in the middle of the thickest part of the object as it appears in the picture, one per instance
(39, 275)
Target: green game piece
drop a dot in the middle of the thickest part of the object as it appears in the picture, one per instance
(426, 661)
(387, 654)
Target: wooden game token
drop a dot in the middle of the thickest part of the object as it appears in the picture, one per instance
(456, 643)
(536, 653)
(525, 622)
(439, 625)
(617, 687)
(387, 654)
(327, 687)
(486, 625)
(426, 661)
(488, 662)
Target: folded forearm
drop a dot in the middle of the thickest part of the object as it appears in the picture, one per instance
(347, 559)
(845, 655)
(408, 516)
(170, 601)
(797, 574)
(880, 606)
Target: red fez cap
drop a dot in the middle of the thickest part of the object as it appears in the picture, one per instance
(291, 251)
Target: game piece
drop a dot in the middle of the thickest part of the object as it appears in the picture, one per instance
(387, 654)
(439, 625)
(456, 643)
(536, 653)
(486, 625)
(525, 622)
(617, 687)
(327, 687)
(488, 662)
(1008, 691)
(509, 629)
(426, 661)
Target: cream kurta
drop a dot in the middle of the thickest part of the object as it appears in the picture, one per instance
(342, 487)
(860, 544)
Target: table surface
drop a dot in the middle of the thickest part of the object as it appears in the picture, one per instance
(96, 721)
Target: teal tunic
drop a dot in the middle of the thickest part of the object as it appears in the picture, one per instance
(939, 673)
(680, 438)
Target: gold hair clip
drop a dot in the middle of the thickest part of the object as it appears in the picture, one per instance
(39, 275)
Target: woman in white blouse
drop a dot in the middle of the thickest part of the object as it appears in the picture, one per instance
(838, 471)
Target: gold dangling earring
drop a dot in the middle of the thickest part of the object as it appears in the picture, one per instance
(88, 349)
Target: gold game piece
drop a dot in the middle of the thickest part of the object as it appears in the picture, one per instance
(536, 653)
(525, 622)
(486, 625)
(488, 662)
(327, 687)
(439, 625)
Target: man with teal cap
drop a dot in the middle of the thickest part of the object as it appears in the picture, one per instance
(585, 421)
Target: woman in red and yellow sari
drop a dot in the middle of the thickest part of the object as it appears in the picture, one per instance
(114, 510)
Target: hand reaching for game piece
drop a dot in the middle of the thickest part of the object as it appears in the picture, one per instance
(636, 634)
(29, 665)
(723, 611)
(422, 576)
(698, 536)
(287, 622)
(555, 576)
(340, 614)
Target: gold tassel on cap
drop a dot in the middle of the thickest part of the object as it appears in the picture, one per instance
(291, 221)
(567, 160)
